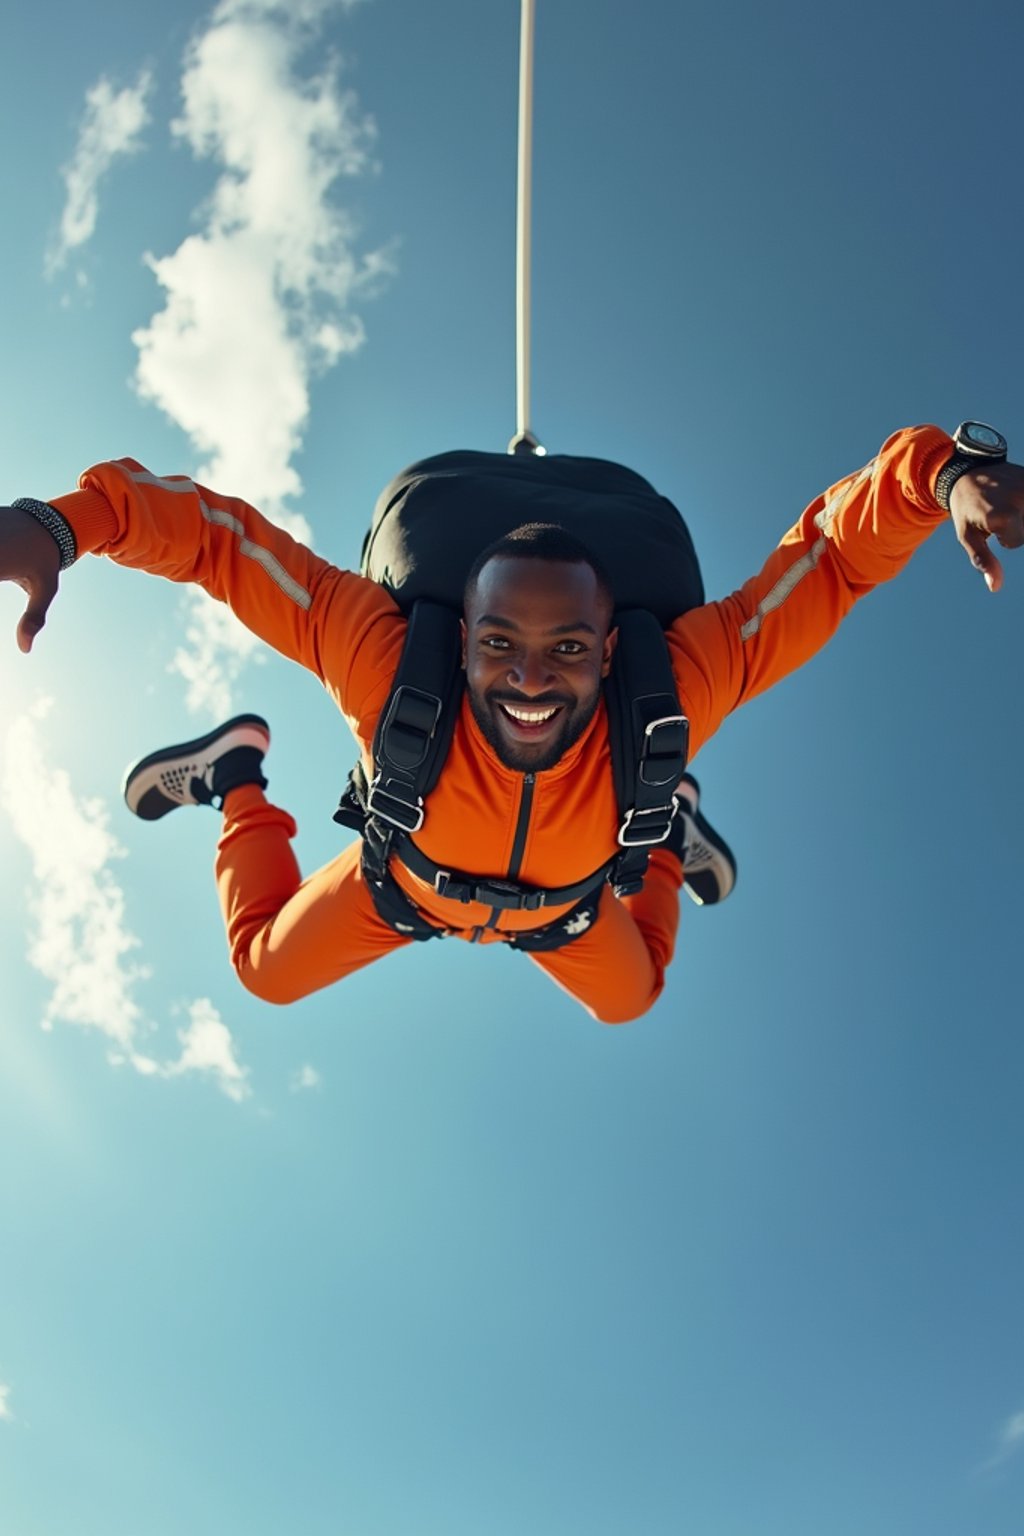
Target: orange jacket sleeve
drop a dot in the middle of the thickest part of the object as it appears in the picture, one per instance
(861, 532)
(345, 629)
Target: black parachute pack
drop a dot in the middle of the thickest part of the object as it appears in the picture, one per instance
(429, 525)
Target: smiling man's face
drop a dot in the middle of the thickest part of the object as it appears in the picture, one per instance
(536, 644)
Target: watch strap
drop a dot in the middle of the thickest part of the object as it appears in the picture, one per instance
(950, 473)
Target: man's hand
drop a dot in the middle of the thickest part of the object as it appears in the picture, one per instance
(30, 557)
(987, 503)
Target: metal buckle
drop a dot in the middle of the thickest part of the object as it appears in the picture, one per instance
(506, 896)
(664, 720)
(453, 890)
(414, 814)
(641, 841)
(653, 763)
(503, 895)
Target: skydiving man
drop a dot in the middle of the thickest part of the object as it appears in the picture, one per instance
(526, 789)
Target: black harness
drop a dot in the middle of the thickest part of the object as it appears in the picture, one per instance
(648, 734)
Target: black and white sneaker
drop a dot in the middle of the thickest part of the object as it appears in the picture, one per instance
(199, 772)
(709, 868)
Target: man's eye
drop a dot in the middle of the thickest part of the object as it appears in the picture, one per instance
(495, 642)
(570, 647)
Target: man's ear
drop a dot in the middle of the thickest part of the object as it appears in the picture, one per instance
(463, 634)
(611, 641)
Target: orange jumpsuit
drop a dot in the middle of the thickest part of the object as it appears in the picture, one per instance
(289, 937)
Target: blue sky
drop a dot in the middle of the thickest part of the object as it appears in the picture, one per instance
(433, 1254)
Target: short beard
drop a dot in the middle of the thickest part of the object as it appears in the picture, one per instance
(523, 760)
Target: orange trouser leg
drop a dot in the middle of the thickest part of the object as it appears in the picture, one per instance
(288, 936)
(617, 968)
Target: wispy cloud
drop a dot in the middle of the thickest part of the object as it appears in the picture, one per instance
(1009, 1442)
(6, 1411)
(215, 650)
(78, 937)
(260, 300)
(111, 126)
(207, 1046)
(305, 1078)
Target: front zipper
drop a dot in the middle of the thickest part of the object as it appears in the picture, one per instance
(519, 841)
(522, 826)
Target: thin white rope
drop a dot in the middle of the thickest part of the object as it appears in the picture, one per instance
(524, 440)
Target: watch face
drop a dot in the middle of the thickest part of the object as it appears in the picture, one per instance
(976, 434)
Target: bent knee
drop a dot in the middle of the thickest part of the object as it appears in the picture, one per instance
(626, 1009)
(622, 1013)
(269, 985)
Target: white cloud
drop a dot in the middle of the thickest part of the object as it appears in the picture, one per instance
(215, 651)
(6, 1411)
(111, 126)
(305, 1077)
(78, 937)
(207, 1046)
(259, 301)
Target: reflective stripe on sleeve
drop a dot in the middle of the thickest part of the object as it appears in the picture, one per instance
(263, 557)
(783, 587)
(181, 484)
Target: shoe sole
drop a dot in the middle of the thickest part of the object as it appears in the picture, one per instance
(145, 789)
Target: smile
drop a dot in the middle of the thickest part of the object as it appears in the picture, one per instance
(531, 716)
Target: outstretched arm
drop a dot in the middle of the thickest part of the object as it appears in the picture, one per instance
(861, 532)
(343, 628)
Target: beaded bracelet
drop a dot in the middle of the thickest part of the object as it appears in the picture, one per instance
(55, 524)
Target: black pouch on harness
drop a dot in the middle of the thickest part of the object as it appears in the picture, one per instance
(428, 528)
(556, 935)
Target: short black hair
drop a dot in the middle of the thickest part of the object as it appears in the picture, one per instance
(540, 541)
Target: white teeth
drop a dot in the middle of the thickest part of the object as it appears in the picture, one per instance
(530, 716)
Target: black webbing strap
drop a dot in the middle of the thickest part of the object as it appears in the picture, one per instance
(504, 895)
(401, 914)
(412, 737)
(394, 906)
(649, 736)
(563, 930)
(419, 718)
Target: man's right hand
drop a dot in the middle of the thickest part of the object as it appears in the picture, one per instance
(988, 503)
(29, 556)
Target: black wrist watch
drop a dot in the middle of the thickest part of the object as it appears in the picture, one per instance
(974, 443)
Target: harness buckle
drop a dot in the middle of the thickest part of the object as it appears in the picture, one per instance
(671, 757)
(631, 836)
(390, 807)
(506, 896)
(503, 895)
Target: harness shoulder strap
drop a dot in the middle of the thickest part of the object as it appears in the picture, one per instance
(413, 735)
(649, 737)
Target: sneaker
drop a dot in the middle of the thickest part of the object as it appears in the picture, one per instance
(709, 869)
(199, 772)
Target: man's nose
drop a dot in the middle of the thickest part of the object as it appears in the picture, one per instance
(530, 673)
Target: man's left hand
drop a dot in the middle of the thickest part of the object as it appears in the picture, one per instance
(988, 503)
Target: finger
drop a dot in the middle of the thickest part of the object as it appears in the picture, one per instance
(40, 595)
(975, 542)
(1009, 531)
